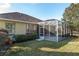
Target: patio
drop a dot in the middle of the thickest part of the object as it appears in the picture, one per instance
(53, 30)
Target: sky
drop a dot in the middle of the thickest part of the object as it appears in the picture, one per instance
(43, 11)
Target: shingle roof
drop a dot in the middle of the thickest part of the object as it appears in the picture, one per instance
(51, 19)
(19, 16)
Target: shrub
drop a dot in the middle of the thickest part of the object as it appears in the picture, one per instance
(28, 37)
(3, 35)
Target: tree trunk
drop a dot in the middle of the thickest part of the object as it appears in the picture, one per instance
(71, 34)
(78, 32)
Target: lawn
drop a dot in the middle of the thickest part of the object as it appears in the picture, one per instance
(45, 48)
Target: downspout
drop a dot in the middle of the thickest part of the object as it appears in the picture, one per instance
(44, 30)
(57, 30)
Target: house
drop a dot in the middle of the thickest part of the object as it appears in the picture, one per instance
(18, 23)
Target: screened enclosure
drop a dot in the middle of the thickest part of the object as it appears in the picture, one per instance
(53, 30)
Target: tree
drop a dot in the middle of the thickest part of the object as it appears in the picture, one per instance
(71, 16)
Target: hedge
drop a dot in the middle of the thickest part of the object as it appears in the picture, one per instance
(23, 38)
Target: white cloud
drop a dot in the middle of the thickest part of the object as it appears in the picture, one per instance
(4, 7)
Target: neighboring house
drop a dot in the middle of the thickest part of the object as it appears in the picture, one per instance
(18, 23)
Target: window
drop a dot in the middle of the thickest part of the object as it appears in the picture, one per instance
(34, 27)
(27, 28)
(10, 27)
(30, 28)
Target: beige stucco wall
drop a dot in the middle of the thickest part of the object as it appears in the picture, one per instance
(20, 28)
(2, 24)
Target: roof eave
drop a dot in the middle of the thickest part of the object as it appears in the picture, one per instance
(18, 21)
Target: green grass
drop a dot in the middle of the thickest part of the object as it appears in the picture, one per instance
(45, 48)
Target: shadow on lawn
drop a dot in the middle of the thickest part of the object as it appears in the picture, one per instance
(65, 54)
(58, 54)
(57, 45)
(49, 44)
